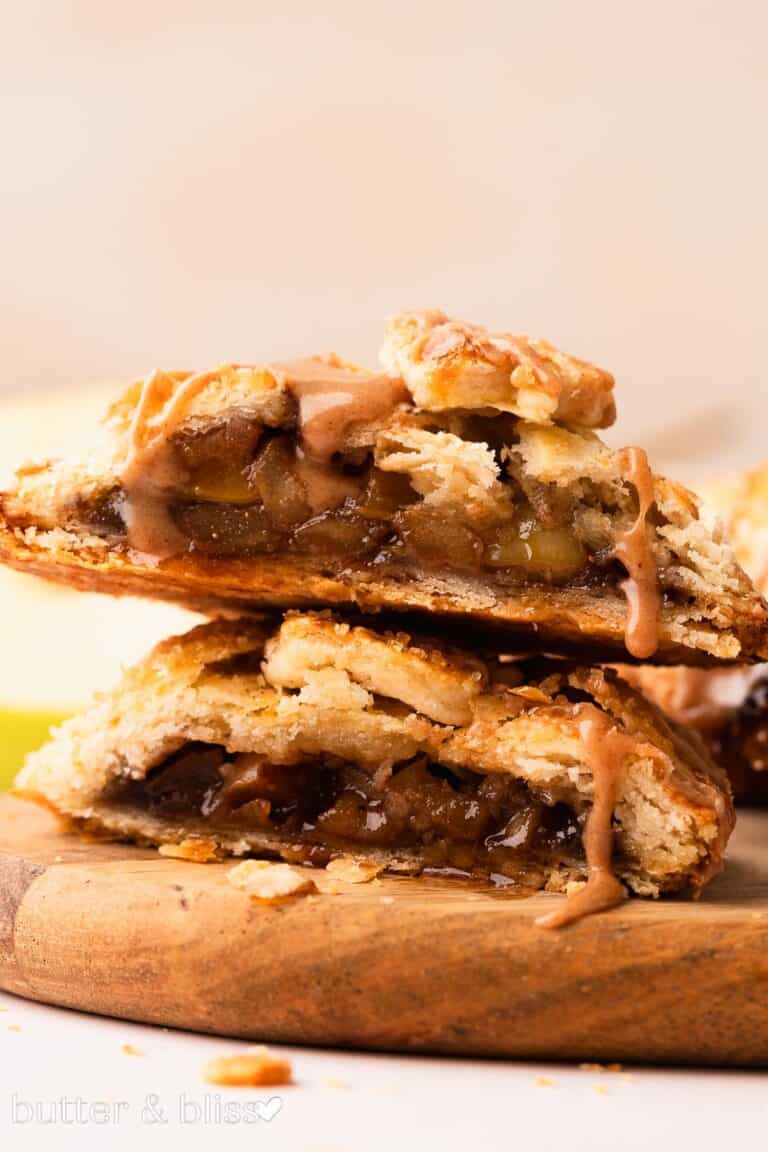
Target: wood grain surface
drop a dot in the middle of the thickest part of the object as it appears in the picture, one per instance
(401, 964)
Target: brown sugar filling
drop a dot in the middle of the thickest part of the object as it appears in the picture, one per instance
(634, 549)
(480, 825)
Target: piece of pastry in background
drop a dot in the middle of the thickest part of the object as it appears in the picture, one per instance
(308, 738)
(728, 706)
(466, 481)
(742, 503)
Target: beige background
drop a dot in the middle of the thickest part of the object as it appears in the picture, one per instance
(188, 182)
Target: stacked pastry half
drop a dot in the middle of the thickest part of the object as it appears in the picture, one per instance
(416, 578)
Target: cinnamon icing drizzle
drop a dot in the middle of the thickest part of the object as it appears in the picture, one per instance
(633, 548)
(149, 470)
(606, 749)
(333, 399)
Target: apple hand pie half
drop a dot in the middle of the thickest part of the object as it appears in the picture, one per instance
(310, 737)
(467, 482)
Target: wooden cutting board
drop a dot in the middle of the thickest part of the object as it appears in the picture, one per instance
(401, 964)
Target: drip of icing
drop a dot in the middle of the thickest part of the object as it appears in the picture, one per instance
(326, 487)
(634, 550)
(606, 750)
(150, 469)
(333, 398)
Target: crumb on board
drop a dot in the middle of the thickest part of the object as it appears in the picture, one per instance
(351, 871)
(195, 849)
(14, 1028)
(129, 1050)
(544, 1082)
(600, 1089)
(337, 1085)
(249, 1069)
(262, 880)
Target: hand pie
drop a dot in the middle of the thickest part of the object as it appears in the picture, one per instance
(311, 738)
(471, 485)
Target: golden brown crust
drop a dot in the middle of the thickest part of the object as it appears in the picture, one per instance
(448, 363)
(316, 686)
(591, 621)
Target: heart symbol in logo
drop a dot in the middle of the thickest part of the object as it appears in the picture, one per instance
(269, 1109)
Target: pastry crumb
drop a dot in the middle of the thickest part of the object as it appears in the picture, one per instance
(262, 880)
(196, 849)
(129, 1050)
(351, 871)
(249, 1069)
(338, 1085)
(600, 1089)
(544, 1082)
(14, 1028)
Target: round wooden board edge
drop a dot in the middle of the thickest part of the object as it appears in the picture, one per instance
(402, 965)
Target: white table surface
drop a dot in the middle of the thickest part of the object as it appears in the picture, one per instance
(347, 1101)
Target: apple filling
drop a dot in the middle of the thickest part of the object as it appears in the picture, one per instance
(239, 489)
(441, 818)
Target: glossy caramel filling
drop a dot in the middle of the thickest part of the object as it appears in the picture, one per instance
(439, 818)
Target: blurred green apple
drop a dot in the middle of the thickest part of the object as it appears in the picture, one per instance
(21, 732)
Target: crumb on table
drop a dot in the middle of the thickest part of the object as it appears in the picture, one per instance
(351, 871)
(268, 882)
(254, 1067)
(195, 849)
